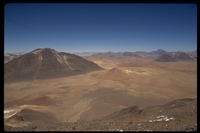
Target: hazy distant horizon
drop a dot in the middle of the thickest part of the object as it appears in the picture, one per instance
(22, 52)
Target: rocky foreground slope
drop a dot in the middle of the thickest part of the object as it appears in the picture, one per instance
(178, 115)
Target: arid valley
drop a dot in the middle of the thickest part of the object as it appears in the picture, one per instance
(119, 92)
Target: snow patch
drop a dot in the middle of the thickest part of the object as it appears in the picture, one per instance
(11, 115)
(161, 118)
(8, 111)
(148, 130)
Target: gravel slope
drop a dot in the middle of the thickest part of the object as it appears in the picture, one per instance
(178, 115)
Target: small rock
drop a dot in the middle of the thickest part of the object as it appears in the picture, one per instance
(130, 122)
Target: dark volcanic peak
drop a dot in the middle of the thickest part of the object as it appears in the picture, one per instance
(159, 52)
(165, 58)
(181, 56)
(46, 63)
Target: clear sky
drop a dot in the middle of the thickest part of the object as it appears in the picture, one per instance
(88, 27)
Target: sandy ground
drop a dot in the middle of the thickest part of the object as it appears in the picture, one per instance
(100, 93)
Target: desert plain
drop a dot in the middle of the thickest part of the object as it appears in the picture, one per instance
(95, 95)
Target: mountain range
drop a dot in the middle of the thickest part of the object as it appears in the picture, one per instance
(125, 55)
(175, 56)
(158, 55)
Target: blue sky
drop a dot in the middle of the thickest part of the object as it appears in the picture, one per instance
(88, 27)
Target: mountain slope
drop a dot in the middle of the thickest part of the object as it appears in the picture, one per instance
(46, 63)
(165, 58)
(181, 56)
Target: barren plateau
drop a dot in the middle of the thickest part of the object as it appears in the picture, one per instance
(86, 101)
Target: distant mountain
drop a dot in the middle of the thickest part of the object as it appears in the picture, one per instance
(130, 54)
(165, 58)
(140, 52)
(192, 54)
(175, 56)
(85, 53)
(46, 63)
(9, 57)
(19, 53)
(159, 52)
(154, 55)
(181, 56)
(114, 55)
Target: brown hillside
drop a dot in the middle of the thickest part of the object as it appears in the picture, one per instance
(46, 63)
